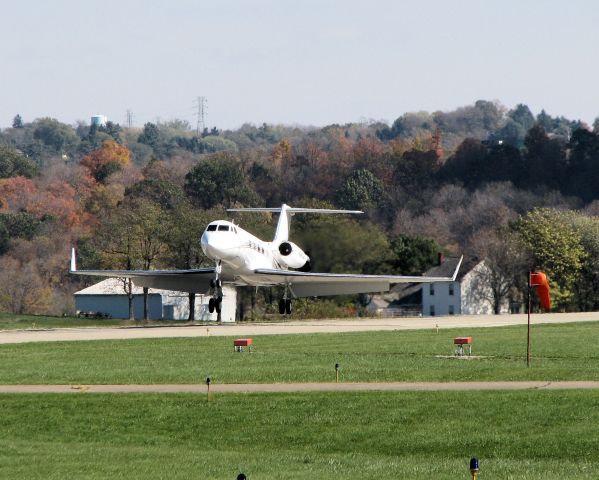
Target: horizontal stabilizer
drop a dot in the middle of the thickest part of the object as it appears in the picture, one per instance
(293, 210)
(282, 233)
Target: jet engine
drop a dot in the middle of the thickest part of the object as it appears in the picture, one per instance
(292, 256)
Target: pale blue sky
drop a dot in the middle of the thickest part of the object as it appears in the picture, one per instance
(306, 62)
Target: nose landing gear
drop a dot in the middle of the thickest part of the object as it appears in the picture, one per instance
(216, 286)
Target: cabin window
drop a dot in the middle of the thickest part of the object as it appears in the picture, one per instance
(223, 228)
(211, 228)
(431, 288)
(451, 289)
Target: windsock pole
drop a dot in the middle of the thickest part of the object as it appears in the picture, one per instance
(528, 333)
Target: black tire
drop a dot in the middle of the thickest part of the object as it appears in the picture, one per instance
(288, 307)
(282, 306)
(218, 304)
(211, 305)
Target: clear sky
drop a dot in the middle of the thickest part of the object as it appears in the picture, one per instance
(310, 62)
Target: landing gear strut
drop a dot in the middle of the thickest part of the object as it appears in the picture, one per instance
(216, 286)
(285, 303)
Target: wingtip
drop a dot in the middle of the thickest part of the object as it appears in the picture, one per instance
(73, 260)
(457, 269)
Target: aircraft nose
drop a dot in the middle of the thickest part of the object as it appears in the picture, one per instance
(209, 248)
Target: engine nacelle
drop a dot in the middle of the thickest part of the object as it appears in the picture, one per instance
(291, 256)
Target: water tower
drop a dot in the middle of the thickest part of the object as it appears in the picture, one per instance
(99, 120)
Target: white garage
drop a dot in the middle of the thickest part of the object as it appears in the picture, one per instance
(109, 297)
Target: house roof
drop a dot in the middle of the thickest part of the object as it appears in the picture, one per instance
(447, 268)
(115, 286)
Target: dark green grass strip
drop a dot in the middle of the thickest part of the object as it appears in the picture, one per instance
(532, 435)
(560, 352)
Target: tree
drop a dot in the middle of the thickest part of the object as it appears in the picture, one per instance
(185, 226)
(583, 164)
(412, 255)
(218, 181)
(58, 137)
(22, 290)
(544, 159)
(133, 236)
(361, 190)
(150, 135)
(162, 192)
(109, 158)
(17, 122)
(556, 249)
(415, 170)
(13, 164)
(506, 263)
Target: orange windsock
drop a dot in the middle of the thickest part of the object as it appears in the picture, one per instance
(538, 280)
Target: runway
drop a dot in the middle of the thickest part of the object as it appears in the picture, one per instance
(293, 327)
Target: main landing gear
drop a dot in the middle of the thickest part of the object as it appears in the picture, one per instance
(216, 286)
(285, 303)
(285, 306)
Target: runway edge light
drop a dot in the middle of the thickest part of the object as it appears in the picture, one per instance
(474, 468)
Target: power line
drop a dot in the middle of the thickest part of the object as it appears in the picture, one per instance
(201, 114)
(129, 121)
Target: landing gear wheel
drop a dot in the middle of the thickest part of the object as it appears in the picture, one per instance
(282, 306)
(211, 305)
(288, 307)
(218, 304)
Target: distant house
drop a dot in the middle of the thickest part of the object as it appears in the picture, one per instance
(109, 298)
(467, 295)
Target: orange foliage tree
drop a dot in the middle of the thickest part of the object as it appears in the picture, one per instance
(107, 159)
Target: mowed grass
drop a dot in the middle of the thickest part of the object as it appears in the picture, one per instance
(417, 435)
(560, 352)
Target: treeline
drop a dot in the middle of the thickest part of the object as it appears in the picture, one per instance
(465, 181)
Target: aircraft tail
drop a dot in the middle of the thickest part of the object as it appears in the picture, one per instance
(286, 212)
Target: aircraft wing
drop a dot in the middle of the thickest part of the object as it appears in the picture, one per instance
(308, 284)
(194, 280)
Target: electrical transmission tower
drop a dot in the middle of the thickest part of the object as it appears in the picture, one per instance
(201, 114)
(129, 119)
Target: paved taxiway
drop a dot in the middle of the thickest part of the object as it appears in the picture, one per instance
(295, 327)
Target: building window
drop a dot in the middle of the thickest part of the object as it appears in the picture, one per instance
(431, 288)
(451, 310)
(451, 289)
(432, 310)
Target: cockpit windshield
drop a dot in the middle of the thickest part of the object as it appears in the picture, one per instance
(211, 228)
(223, 228)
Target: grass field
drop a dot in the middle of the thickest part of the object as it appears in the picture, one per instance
(516, 435)
(560, 352)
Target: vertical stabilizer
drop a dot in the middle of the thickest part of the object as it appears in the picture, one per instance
(282, 232)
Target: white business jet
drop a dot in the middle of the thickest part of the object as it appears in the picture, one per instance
(241, 259)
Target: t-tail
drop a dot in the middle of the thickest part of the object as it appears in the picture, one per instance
(286, 212)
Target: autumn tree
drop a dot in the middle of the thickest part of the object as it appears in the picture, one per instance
(109, 158)
(22, 290)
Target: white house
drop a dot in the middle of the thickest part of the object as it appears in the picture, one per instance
(109, 297)
(469, 294)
